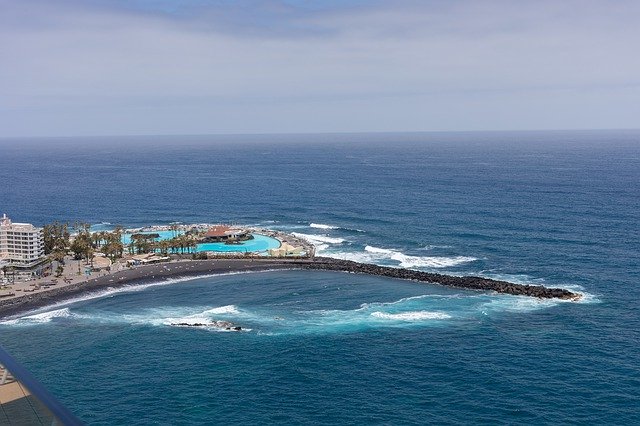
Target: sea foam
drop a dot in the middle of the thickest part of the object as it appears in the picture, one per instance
(323, 226)
(40, 318)
(333, 227)
(411, 316)
(112, 291)
(378, 255)
(313, 238)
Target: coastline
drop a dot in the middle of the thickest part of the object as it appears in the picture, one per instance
(196, 268)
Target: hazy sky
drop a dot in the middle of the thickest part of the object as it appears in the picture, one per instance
(103, 67)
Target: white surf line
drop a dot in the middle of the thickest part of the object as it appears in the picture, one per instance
(133, 288)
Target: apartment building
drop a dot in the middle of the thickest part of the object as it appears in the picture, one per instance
(21, 249)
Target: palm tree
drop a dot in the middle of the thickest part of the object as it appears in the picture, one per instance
(58, 256)
(174, 228)
(193, 243)
(95, 239)
(164, 246)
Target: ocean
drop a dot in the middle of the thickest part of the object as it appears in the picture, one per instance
(553, 208)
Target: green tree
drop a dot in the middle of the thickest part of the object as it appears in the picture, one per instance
(56, 237)
(82, 245)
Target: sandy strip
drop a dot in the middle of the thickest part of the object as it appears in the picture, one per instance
(142, 275)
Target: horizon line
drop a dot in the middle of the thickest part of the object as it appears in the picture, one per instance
(142, 135)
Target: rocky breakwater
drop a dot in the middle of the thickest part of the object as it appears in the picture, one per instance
(469, 282)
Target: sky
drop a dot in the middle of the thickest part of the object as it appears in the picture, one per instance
(132, 67)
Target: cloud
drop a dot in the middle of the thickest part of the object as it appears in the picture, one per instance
(99, 67)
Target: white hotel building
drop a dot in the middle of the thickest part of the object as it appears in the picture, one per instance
(21, 250)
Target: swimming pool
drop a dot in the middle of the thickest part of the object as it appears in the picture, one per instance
(258, 243)
(164, 235)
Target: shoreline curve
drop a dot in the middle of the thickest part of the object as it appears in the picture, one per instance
(196, 268)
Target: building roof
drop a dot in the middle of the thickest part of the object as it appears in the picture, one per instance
(219, 231)
(7, 224)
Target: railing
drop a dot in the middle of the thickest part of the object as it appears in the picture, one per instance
(33, 400)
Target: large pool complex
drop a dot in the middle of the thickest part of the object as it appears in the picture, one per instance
(259, 243)
(164, 235)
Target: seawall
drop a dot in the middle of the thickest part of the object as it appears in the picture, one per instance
(465, 282)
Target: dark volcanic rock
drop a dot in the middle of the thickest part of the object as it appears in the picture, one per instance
(471, 282)
(195, 268)
(219, 324)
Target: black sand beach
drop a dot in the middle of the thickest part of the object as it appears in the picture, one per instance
(195, 268)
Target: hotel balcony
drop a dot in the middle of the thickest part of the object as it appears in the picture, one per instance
(25, 401)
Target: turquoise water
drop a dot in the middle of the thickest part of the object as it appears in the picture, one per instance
(164, 235)
(551, 208)
(259, 243)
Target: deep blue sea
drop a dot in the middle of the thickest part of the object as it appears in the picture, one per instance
(551, 208)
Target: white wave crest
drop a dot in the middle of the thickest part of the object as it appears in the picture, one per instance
(322, 226)
(372, 249)
(585, 297)
(162, 316)
(411, 316)
(228, 309)
(430, 262)
(373, 254)
(518, 304)
(159, 317)
(333, 227)
(112, 291)
(312, 238)
(286, 227)
(379, 305)
(320, 248)
(40, 318)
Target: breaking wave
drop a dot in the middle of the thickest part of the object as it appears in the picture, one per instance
(323, 226)
(379, 255)
(407, 261)
(162, 316)
(319, 238)
(41, 318)
(321, 242)
(228, 309)
(412, 316)
(112, 291)
(427, 310)
(329, 227)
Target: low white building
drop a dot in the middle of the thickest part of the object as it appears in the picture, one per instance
(21, 250)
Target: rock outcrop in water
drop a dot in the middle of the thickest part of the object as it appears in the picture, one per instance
(223, 325)
(469, 282)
